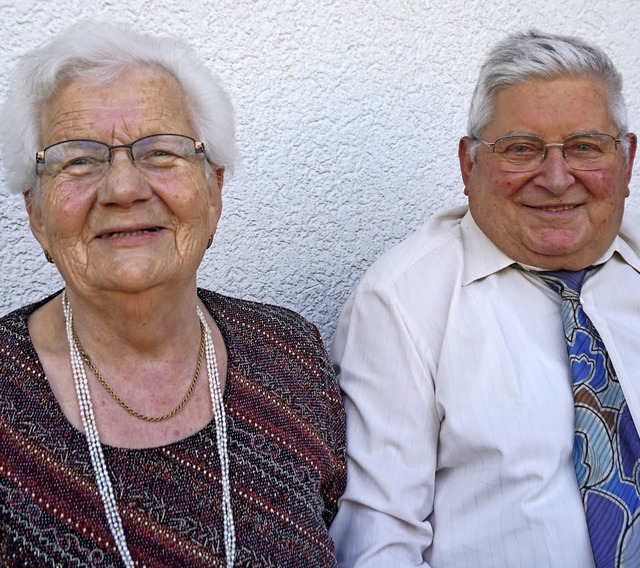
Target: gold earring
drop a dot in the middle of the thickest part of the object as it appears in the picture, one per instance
(210, 241)
(48, 256)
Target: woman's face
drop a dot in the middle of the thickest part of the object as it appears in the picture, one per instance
(130, 229)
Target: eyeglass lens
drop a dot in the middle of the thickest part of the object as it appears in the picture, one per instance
(582, 151)
(82, 158)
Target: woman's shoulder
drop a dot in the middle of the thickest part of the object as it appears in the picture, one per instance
(273, 321)
(280, 373)
(272, 346)
(14, 324)
(21, 373)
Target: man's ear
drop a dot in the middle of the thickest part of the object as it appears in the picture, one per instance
(466, 162)
(633, 143)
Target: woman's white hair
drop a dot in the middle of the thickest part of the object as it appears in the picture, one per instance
(102, 52)
(536, 55)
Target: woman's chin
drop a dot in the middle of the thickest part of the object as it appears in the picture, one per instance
(129, 277)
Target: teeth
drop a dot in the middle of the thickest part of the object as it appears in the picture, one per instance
(560, 208)
(130, 233)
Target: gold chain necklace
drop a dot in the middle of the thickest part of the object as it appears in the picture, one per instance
(121, 402)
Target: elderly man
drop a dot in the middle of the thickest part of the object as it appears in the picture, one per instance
(482, 432)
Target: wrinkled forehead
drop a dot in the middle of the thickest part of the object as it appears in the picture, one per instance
(136, 101)
(569, 103)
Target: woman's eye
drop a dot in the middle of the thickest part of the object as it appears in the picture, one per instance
(80, 165)
(77, 162)
(159, 157)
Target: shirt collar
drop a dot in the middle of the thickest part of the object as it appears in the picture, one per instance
(482, 257)
(625, 244)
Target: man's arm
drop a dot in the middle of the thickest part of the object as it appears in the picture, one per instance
(392, 435)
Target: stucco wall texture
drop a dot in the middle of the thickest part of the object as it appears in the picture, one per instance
(349, 115)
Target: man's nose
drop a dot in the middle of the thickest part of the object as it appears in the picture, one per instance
(555, 174)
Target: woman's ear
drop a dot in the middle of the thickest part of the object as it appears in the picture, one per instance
(36, 219)
(215, 197)
(220, 177)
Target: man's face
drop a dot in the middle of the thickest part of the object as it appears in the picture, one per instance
(554, 217)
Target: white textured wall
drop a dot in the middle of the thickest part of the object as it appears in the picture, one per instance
(349, 114)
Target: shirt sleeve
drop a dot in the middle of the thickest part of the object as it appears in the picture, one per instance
(386, 375)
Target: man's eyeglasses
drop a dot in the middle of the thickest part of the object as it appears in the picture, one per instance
(88, 159)
(581, 151)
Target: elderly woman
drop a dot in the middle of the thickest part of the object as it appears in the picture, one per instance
(144, 421)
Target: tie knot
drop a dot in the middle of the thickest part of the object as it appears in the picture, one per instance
(563, 280)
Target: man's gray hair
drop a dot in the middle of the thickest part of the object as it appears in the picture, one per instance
(101, 52)
(536, 55)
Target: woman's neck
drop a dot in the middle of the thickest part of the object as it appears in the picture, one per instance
(150, 323)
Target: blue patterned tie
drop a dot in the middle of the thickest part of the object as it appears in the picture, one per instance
(606, 448)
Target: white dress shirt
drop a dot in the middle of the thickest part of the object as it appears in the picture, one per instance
(460, 419)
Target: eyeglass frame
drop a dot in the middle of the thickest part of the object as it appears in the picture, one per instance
(616, 139)
(198, 147)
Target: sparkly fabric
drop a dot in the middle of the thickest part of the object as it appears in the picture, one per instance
(286, 446)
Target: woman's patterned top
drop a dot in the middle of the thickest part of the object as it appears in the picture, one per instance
(286, 447)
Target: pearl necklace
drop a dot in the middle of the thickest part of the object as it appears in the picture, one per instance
(97, 456)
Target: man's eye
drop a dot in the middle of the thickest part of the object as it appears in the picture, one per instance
(517, 149)
(520, 150)
(583, 147)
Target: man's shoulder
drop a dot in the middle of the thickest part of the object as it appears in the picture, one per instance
(630, 229)
(436, 245)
